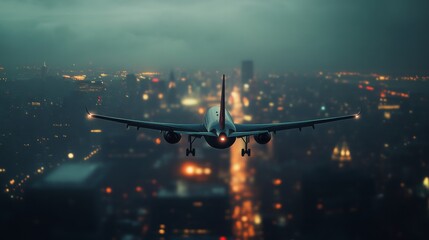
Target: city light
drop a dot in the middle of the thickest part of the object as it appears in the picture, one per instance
(277, 181)
(247, 118)
(389, 107)
(201, 110)
(145, 97)
(191, 169)
(258, 219)
(108, 190)
(70, 155)
(79, 77)
(426, 182)
(189, 102)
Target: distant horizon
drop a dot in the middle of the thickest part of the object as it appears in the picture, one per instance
(13, 67)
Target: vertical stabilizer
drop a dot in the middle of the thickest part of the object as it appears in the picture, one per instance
(222, 105)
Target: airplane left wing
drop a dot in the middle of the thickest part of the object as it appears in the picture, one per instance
(179, 127)
(273, 127)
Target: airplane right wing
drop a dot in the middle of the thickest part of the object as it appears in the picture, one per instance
(273, 127)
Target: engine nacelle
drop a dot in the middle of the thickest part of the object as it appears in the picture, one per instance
(262, 138)
(172, 137)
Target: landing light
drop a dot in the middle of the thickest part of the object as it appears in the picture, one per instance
(357, 116)
(222, 137)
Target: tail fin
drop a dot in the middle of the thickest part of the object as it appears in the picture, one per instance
(222, 105)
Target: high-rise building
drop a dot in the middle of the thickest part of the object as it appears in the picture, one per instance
(247, 71)
(172, 96)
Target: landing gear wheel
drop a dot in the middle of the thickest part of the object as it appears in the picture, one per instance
(246, 150)
(191, 150)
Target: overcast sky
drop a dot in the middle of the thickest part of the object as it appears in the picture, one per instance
(279, 35)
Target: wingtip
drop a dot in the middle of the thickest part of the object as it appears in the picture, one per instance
(357, 115)
(87, 111)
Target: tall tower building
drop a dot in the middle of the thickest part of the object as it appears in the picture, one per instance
(247, 74)
(172, 96)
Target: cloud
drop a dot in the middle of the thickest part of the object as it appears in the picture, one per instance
(278, 35)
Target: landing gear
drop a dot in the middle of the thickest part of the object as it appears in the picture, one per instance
(191, 150)
(245, 151)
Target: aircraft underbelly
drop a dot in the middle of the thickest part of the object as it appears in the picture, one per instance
(215, 143)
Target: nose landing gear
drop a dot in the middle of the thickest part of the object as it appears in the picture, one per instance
(246, 150)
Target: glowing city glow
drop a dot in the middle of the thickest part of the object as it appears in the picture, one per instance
(189, 102)
(191, 169)
(108, 190)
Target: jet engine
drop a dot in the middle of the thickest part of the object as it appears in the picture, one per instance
(172, 137)
(262, 138)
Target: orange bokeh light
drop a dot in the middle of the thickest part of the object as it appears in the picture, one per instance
(189, 169)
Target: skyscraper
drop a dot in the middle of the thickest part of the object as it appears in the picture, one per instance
(246, 71)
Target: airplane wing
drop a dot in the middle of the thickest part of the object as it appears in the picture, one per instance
(273, 127)
(190, 128)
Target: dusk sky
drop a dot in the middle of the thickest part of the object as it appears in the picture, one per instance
(290, 35)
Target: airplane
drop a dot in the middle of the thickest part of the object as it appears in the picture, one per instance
(219, 129)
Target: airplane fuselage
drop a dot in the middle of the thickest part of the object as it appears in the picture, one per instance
(212, 124)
